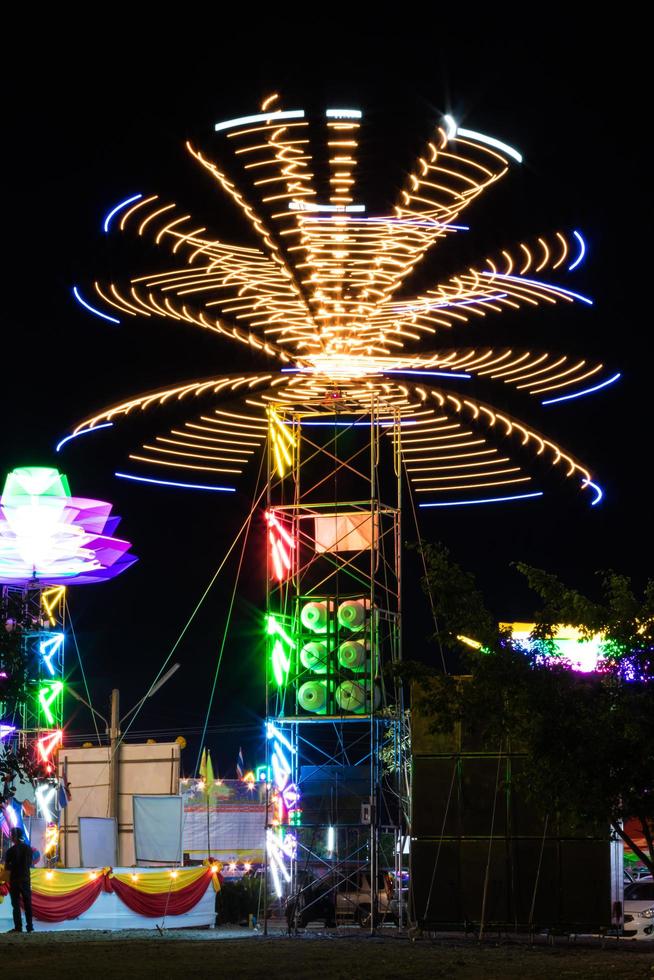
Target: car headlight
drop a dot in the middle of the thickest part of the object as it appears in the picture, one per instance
(647, 913)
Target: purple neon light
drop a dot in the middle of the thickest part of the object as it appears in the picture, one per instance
(59, 540)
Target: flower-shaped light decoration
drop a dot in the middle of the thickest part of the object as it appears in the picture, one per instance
(49, 538)
(322, 298)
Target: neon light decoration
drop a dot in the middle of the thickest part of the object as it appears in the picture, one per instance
(49, 648)
(586, 391)
(45, 795)
(48, 743)
(49, 538)
(282, 442)
(282, 547)
(283, 646)
(171, 483)
(325, 290)
(85, 432)
(6, 730)
(52, 600)
(48, 694)
(582, 655)
(281, 844)
(92, 309)
(582, 251)
(119, 207)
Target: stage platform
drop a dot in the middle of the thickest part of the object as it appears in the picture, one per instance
(178, 898)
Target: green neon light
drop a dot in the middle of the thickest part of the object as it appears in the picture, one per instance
(280, 664)
(46, 696)
(34, 481)
(274, 628)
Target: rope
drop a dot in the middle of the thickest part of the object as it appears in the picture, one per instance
(179, 639)
(226, 630)
(424, 568)
(81, 667)
(490, 844)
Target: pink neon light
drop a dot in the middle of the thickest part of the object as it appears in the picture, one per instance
(48, 742)
(277, 562)
(272, 520)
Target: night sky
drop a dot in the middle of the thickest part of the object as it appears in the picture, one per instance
(91, 119)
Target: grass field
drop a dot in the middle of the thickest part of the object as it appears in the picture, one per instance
(90, 956)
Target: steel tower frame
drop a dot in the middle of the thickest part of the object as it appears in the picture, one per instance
(335, 742)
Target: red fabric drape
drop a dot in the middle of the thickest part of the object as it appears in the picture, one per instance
(56, 908)
(166, 903)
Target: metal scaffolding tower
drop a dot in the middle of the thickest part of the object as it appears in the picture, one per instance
(337, 804)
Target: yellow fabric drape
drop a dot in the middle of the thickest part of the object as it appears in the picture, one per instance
(47, 882)
(156, 882)
(56, 882)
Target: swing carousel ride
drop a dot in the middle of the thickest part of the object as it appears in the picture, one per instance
(359, 394)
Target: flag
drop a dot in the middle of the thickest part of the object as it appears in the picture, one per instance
(64, 795)
(240, 764)
(209, 773)
(206, 771)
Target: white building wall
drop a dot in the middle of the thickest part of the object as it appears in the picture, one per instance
(142, 769)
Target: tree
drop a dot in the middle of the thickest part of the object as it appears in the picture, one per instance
(588, 739)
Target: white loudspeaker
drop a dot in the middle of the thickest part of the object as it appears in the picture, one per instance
(354, 697)
(352, 655)
(314, 656)
(352, 614)
(312, 696)
(314, 616)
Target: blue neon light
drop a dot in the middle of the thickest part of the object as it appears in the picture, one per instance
(582, 251)
(172, 483)
(48, 648)
(384, 425)
(488, 500)
(544, 285)
(92, 309)
(585, 391)
(598, 490)
(431, 374)
(82, 432)
(123, 204)
(417, 307)
(273, 732)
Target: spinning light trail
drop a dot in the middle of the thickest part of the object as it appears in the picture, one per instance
(322, 297)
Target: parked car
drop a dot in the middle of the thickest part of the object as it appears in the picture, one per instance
(355, 900)
(347, 903)
(639, 909)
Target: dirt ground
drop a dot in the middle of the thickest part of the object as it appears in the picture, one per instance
(233, 952)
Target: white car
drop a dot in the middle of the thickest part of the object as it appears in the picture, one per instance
(639, 909)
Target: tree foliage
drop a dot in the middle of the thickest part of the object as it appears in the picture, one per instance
(588, 739)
